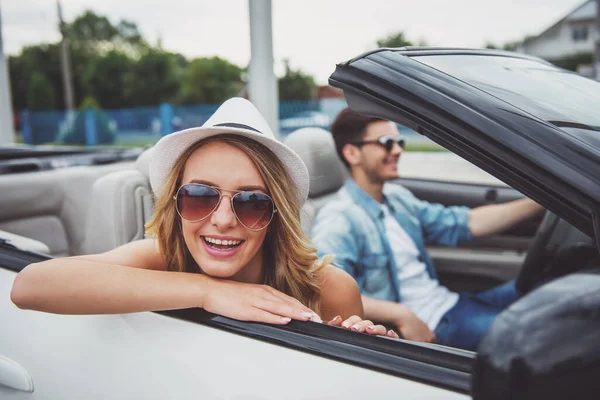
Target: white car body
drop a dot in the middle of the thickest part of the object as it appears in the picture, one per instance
(153, 356)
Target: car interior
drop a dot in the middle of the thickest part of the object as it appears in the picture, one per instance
(94, 208)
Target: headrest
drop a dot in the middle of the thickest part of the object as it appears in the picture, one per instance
(545, 346)
(317, 149)
(142, 163)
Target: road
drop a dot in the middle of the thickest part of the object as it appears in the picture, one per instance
(443, 166)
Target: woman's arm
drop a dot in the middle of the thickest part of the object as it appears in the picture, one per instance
(133, 278)
(340, 295)
(341, 304)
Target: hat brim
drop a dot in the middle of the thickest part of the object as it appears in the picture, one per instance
(168, 149)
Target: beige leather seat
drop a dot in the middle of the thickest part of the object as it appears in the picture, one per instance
(121, 204)
(327, 172)
(51, 206)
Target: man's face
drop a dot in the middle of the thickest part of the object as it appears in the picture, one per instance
(378, 164)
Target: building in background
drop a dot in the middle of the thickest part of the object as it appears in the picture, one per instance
(569, 42)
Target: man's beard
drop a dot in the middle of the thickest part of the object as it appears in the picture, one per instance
(376, 177)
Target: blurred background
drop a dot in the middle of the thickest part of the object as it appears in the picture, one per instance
(125, 73)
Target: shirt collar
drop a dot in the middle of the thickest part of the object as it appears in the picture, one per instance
(363, 199)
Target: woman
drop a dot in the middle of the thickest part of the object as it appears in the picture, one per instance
(226, 237)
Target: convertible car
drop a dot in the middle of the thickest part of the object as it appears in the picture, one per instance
(531, 125)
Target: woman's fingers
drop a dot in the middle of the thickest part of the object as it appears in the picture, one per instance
(259, 315)
(376, 330)
(357, 324)
(391, 333)
(302, 312)
(361, 326)
(336, 321)
(348, 323)
(275, 305)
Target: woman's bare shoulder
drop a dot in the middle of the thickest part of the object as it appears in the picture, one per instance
(138, 254)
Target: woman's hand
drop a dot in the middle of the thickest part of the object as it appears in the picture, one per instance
(357, 324)
(253, 302)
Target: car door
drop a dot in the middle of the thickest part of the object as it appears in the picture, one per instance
(191, 354)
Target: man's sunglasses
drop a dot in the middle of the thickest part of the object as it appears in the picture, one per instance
(386, 141)
(195, 202)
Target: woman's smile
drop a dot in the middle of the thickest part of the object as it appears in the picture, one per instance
(220, 246)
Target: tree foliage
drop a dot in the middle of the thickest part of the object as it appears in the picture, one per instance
(210, 81)
(296, 85)
(113, 63)
(108, 79)
(40, 93)
(394, 40)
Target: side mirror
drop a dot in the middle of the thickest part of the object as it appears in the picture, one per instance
(545, 346)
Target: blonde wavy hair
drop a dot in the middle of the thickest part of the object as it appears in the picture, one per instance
(290, 262)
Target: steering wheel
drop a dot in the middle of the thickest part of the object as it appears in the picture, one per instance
(538, 254)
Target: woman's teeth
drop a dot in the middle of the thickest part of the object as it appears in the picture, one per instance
(218, 243)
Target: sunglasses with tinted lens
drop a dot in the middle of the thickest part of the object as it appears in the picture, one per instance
(386, 141)
(195, 202)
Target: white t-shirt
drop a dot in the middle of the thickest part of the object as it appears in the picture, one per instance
(419, 292)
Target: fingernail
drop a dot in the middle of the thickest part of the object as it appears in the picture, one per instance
(346, 324)
(286, 319)
(307, 315)
(370, 327)
(356, 327)
(316, 318)
(337, 317)
(394, 332)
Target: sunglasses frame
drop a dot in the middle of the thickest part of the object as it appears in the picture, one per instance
(383, 142)
(221, 195)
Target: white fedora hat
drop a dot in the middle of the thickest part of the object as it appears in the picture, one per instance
(235, 116)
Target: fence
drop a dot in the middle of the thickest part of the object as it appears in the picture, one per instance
(146, 125)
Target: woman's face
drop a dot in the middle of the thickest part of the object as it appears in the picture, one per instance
(225, 167)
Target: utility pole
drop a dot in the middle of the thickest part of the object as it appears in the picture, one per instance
(597, 41)
(7, 135)
(262, 84)
(65, 61)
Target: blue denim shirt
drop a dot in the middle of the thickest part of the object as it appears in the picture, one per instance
(351, 227)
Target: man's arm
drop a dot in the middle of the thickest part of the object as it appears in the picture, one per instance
(405, 321)
(495, 218)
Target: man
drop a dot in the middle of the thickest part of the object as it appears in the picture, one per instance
(377, 233)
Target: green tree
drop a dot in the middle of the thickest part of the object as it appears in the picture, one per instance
(394, 40)
(42, 59)
(210, 81)
(95, 33)
(156, 78)
(90, 27)
(40, 93)
(296, 85)
(109, 79)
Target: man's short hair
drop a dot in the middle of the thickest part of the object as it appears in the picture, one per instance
(349, 127)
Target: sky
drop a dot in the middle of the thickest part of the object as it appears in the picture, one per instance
(313, 35)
